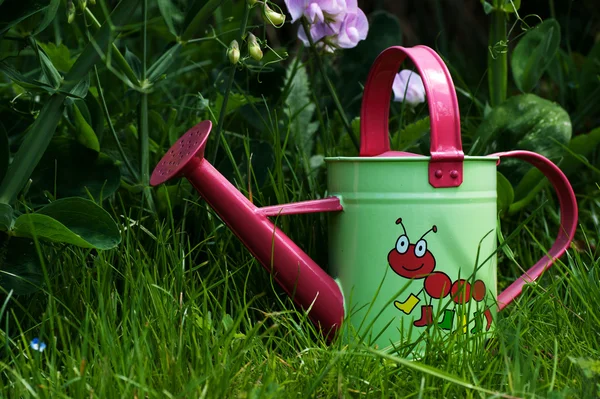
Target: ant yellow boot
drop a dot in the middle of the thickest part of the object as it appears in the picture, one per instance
(407, 306)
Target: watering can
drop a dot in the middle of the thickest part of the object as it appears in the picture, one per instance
(412, 238)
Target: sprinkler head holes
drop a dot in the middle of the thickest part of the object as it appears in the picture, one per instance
(190, 145)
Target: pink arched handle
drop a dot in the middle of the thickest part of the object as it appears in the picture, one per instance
(568, 221)
(446, 165)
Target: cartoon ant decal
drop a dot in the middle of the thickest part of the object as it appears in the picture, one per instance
(415, 261)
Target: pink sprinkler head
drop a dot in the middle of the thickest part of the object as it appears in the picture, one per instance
(190, 145)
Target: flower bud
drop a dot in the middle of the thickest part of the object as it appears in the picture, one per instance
(234, 52)
(92, 2)
(70, 11)
(273, 17)
(254, 47)
(82, 4)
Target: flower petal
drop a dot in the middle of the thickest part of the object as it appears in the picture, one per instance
(354, 28)
(296, 8)
(408, 86)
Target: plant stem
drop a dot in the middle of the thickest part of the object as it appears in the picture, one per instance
(199, 19)
(336, 100)
(119, 58)
(144, 136)
(497, 58)
(133, 172)
(229, 83)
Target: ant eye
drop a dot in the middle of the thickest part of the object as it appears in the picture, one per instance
(420, 248)
(402, 244)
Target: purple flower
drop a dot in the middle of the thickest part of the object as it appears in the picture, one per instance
(339, 23)
(320, 10)
(410, 84)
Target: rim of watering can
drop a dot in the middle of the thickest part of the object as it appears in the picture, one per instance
(404, 158)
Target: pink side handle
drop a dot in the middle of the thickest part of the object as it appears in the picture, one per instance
(568, 221)
(330, 204)
(446, 166)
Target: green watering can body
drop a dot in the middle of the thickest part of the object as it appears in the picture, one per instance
(412, 239)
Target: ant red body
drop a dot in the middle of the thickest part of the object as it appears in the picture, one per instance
(415, 261)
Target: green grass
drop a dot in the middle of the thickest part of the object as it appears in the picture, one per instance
(185, 312)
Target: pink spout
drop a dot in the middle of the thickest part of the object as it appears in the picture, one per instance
(308, 285)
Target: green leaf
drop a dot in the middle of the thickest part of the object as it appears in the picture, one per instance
(171, 14)
(20, 268)
(59, 55)
(581, 147)
(589, 79)
(510, 6)
(75, 221)
(410, 135)
(19, 11)
(81, 88)
(533, 53)
(48, 15)
(51, 75)
(134, 62)
(83, 131)
(487, 7)
(4, 151)
(69, 169)
(235, 101)
(23, 81)
(300, 109)
(163, 63)
(6, 217)
(525, 122)
(589, 367)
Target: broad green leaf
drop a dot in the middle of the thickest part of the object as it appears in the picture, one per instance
(163, 63)
(75, 221)
(563, 72)
(4, 151)
(300, 109)
(84, 133)
(533, 53)
(6, 217)
(20, 268)
(59, 55)
(525, 122)
(410, 134)
(69, 169)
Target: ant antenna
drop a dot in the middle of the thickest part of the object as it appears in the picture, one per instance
(434, 229)
(399, 221)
